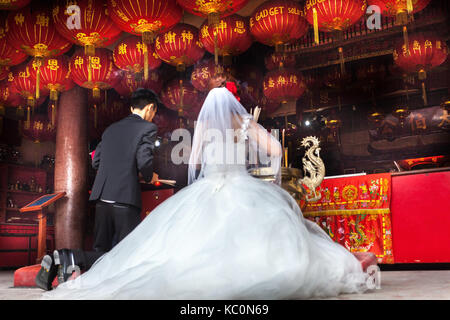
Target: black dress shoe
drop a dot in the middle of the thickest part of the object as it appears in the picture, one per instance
(65, 263)
(46, 274)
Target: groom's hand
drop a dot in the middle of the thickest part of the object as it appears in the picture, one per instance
(154, 178)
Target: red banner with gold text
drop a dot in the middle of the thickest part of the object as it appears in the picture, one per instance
(355, 212)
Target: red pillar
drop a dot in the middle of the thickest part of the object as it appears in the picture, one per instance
(71, 168)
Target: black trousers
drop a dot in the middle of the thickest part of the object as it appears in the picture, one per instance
(113, 222)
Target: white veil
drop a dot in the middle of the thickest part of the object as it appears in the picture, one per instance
(222, 121)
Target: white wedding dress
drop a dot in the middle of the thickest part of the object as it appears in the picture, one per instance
(225, 236)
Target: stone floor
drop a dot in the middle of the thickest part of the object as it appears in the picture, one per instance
(394, 285)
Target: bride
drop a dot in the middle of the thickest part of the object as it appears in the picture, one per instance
(227, 235)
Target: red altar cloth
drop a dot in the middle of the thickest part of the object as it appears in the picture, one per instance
(355, 212)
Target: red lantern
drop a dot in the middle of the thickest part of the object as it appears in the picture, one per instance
(33, 32)
(134, 56)
(88, 25)
(9, 56)
(277, 59)
(145, 18)
(230, 37)
(283, 85)
(181, 96)
(202, 73)
(278, 22)
(180, 46)
(400, 8)
(94, 72)
(213, 9)
(424, 52)
(128, 84)
(13, 4)
(40, 129)
(54, 75)
(334, 15)
(24, 84)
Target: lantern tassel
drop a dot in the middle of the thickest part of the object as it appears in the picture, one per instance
(37, 63)
(89, 50)
(147, 37)
(53, 95)
(145, 61)
(181, 67)
(342, 60)
(27, 123)
(89, 70)
(53, 115)
(95, 116)
(213, 19)
(424, 94)
(38, 83)
(409, 6)
(96, 93)
(405, 38)
(216, 49)
(316, 26)
(180, 111)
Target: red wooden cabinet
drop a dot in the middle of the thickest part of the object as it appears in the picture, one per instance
(420, 208)
(18, 244)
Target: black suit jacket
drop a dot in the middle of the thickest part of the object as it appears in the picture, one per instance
(127, 148)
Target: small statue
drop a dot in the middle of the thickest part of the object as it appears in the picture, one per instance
(314, 168)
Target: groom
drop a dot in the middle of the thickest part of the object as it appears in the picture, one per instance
(123, 158)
